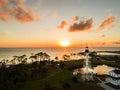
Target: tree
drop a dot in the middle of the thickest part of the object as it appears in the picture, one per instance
(56, 58)
(93, 55)
(117, 60)
(33, 57)
(62, 65)
(0, 64)
(66, 86)
(80, 54)
(75, 79)
(48, 87)
(73, 55)
(46, 56)
(14, 60)
(66, 57)
(23, 59)
(40, 55)
(37, 57)
(3, 63)
(19, 59)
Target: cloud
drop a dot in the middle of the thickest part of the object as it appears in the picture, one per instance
(116, 42)
(62, 25)
(18, 11)
(82, 25)
(4, 11)
(107, 23)
(24, 16)
(4, 16)
(20, 4)
(77, 25)
(74, 18)
(3, 3)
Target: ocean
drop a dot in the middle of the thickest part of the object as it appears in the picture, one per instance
(8, 53)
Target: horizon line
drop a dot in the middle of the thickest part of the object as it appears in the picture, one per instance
(66, 47)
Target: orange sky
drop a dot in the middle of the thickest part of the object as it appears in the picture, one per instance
(45, 23)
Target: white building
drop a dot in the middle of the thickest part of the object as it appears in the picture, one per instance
(114, 77)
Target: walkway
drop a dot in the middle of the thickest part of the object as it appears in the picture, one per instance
(103, 84)
(106, 87)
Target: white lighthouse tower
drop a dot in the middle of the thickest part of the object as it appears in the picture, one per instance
(88, 74)
(86, 60)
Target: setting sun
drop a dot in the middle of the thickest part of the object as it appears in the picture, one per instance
(65, 43)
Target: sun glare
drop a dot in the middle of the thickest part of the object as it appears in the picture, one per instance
(65, 43)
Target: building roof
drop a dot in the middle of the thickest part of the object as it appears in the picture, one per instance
(116, 71)
(86, 49)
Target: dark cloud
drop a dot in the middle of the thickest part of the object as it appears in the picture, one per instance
(18, 11)
(82, 25)
(24, 16)
(62, 25)
(116, 42)
(107, 23)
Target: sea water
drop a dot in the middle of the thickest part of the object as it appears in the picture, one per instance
(8, 53)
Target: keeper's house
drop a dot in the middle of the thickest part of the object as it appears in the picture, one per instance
(114, 77)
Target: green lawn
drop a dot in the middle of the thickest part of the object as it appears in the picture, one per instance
(59, 79)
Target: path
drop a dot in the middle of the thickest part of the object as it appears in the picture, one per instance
(103, 84)
(106, 87)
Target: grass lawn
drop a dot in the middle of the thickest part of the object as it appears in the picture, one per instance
(59, 80)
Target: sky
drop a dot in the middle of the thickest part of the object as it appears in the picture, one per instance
(47, 23)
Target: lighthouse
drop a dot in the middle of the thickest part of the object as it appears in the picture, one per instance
(88, 74)
(86, 60)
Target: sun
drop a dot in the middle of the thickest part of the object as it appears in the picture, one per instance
(65, 43)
